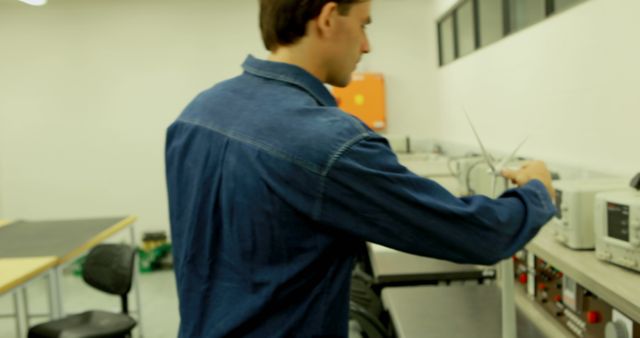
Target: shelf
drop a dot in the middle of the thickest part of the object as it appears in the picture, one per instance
(616, 285)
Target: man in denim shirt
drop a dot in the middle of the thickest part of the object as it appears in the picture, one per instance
(272, 188)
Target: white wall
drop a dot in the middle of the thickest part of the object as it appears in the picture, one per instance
(404, 49)
(570, 82)
(87, 89)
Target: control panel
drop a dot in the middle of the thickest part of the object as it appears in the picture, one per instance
(582, 312)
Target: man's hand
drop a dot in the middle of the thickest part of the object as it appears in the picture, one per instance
(529, 171)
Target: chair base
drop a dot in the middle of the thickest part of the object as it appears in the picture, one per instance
(90, 324)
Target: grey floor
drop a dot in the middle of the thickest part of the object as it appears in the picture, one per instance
(159, 303)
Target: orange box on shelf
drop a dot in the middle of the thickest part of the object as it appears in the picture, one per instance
(364, 98)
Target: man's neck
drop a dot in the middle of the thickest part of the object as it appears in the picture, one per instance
(301, 57)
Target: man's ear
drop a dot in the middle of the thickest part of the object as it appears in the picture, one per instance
(326, 20)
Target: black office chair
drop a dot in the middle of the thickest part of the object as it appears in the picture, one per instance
(365, 307)
(108, 267)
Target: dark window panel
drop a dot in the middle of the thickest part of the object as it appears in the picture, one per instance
(560, 5)
(465, 29)
(523, 13)
(446, 40)
(491, 21)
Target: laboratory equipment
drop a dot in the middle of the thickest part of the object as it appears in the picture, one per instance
(481, 179)
(573, 222)
(461, 168)
(617, 226)
(574, 306)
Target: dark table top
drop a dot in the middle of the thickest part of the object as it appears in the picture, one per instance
(52, 238)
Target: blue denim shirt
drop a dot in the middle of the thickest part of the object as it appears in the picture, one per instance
(271, 190)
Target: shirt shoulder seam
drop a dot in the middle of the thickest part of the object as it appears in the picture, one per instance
(323, 176)
(260, 145)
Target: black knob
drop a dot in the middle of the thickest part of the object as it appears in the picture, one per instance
(635, 182)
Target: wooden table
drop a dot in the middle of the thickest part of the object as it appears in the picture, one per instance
(64, 240)
(16, 273)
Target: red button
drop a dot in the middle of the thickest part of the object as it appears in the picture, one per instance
(593, 317)
(523, 278)
(541, 286)
(557, 298)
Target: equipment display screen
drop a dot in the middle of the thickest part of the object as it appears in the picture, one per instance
(618, 221)
(558, 203)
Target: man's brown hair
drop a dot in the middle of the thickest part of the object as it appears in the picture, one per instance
(283, 22)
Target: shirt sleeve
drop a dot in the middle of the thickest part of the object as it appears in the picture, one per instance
(371, 196)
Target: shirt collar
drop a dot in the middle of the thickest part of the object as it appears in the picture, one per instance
(291, 74)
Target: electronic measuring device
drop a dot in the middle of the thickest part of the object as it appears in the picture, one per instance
(617, 226)
(573, 222)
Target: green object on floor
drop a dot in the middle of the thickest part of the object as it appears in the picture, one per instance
(152, 259)
(76, 266)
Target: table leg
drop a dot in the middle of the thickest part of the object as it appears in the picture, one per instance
(25, 299)
(19, 308)
(136, 283)
(57, 292)
(52, 285)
